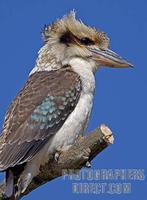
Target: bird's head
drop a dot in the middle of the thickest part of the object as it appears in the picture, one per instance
(70, 38)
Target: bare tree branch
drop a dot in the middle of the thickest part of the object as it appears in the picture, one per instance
(77, 156)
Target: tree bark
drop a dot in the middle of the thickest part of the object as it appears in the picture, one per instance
(77, 156)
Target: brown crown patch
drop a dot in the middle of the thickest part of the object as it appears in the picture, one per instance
(77, 28)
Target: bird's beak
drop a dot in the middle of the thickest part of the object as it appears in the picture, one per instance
(109, 58)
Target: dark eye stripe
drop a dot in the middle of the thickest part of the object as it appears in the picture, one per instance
(66, 38)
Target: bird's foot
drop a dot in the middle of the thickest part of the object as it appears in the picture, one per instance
(59, 151)
(88, 164)
(56, 156)
(85, 156)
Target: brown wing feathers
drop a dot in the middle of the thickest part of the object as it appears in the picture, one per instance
(37, 113)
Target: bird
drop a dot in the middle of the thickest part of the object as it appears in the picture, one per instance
(53, 108)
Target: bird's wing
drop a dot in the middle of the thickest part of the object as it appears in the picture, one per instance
(38, 112)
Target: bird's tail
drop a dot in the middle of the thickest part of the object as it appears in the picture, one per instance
(9, 191)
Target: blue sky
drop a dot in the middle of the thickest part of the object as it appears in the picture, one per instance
(120, 99)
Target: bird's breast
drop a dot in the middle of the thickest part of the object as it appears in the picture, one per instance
(77, 121)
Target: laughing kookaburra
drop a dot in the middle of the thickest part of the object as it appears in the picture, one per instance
(53, 108)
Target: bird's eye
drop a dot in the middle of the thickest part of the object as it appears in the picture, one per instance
(86, 41)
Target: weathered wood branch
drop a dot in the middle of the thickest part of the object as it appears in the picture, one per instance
(77, 156)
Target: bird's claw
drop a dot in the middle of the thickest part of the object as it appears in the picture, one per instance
(56, 156)
(88, 164)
